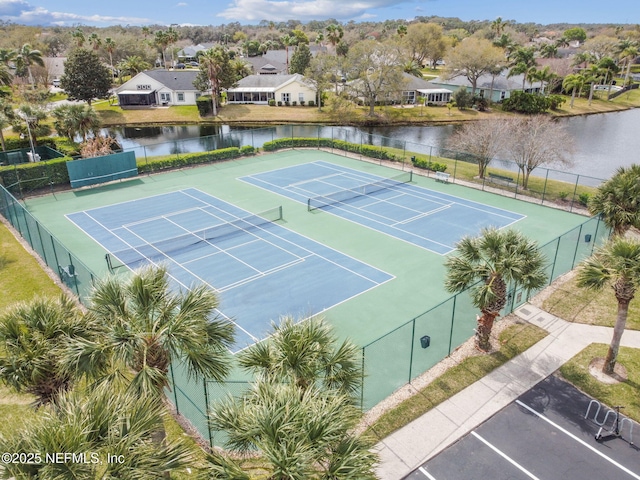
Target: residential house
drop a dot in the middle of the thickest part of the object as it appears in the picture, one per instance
(498, 87)
(274, 62)
(415, 87)
(190, 53)
(259, 89)
(54, 67)
(159, 87)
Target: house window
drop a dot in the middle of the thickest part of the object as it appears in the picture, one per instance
(165, 98)
(503, 95)
(285, 97)
(180, 96)
(300, 97)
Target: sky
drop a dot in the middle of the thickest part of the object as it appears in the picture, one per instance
(217, 12)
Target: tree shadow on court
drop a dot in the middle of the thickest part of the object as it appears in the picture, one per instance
(125, 183)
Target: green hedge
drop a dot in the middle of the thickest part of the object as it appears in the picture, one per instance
(36, 175)
(187, 159)
(61, 144)
(366, 150)
(428, 165)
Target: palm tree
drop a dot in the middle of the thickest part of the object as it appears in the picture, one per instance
(300, 412)
(95, 41)
(549, 50)
(102, 425)
(110, 46)
(213, 62)
(573, 81)
(544, 75)
(486, 265)
(593, 75)
(615, 264)
(26, 56)
(32, 116)
(78, 36)
(34, 335)
(173, 37)
(334, 34)
(412, 68)
(305, 354)
(162, 40)
(142, 326)
(287, 41)
(498, 26)
(133, 64)
(7, 56)
(617, 201)
(522, 62)
(6, 78)
(401, 30)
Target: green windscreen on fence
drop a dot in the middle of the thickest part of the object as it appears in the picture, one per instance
(91, 171)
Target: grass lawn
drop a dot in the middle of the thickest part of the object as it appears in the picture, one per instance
(625, 393)
(514, 340)
(586, 306)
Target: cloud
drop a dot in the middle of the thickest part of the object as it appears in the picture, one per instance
(182, 4)
(19, 11)
(256, 10)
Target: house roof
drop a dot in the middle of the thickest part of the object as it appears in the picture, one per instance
(174, 79)
(267, 83)
(264, 64)
(500, 82)
(412, 82)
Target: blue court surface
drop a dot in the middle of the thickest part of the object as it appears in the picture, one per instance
(260, 269)
(432, 220)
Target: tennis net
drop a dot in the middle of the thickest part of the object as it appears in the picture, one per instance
(140, 255)
(321, 201)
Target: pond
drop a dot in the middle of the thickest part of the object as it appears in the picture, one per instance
(603, 142)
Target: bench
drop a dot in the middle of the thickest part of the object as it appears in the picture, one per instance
(500, 178)
(67, 273)
(442, 177)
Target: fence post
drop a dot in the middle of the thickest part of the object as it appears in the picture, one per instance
(175, 390)
(575, 251)
(555, 257)
(453, 319)
(544, 189)
(206, 410)
(413, 338)
(575, 190)
(362, 380)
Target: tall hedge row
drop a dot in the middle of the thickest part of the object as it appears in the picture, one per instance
(36, 175)
(366, 150)
(187, 159)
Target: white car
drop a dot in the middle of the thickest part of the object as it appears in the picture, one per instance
(56, 83)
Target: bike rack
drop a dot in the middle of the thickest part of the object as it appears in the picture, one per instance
(616, 429)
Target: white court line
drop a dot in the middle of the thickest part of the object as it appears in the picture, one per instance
(579, 440)
(506, 457)
(427, 474)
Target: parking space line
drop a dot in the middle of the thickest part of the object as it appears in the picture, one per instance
(427, 474)
(507, 458)
(621, 467)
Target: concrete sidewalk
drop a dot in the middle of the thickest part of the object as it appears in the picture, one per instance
(407, 448)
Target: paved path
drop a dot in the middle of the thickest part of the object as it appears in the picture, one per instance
(407, 448)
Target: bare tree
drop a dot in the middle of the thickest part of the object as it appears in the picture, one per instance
(377, 69)
(473, 57)
(535, 140)
(483, 140)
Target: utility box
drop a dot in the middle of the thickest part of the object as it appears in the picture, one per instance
(425, 341)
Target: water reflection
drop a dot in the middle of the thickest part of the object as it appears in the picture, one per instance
(603, 142)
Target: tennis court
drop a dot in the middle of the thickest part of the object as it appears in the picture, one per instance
(432, 220)
(260, 269)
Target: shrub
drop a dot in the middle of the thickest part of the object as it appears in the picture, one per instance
(247, 150)
(312, 103)
(279, 103)
(429, 165)
(302, 102)
(563, 195)
(36, 175)
(287, 104)
(555, 101)
(463, 98)
(524, 102)
(583, 198)
(294, 103)
(481, 103)
(204, 105)
(188, 159)
(272, 102)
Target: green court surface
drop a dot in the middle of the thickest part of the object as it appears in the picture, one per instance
(418, 273)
